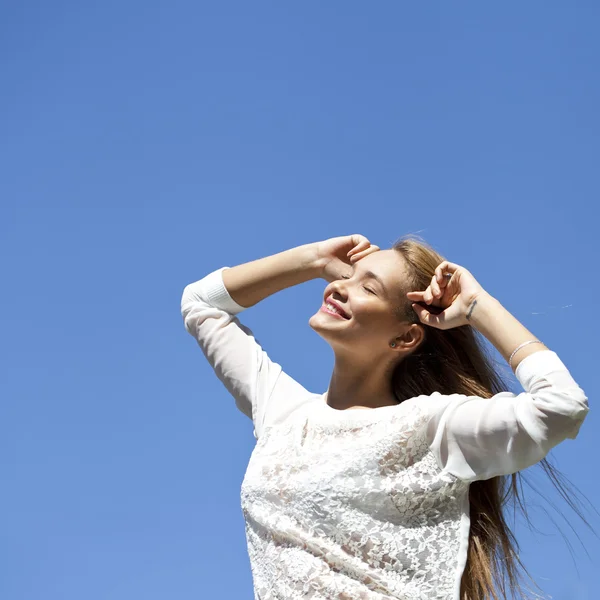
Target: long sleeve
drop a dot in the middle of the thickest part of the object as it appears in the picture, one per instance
(261, 389)
(477, 438)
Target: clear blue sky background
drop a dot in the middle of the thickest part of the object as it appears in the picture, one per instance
(145, 144)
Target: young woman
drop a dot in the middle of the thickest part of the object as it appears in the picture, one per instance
(391, 483)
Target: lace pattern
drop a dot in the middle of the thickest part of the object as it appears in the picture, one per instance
(357, 509)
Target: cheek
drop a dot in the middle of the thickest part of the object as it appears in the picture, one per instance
(363, 310)
(371, 315)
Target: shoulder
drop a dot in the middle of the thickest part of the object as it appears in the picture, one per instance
(432, 404)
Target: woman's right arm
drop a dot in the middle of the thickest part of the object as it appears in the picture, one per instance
(251, 282)
(260, 387)
(209, 307)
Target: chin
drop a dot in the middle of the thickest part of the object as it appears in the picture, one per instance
(316, 323)
(313, 322)
(320, 325)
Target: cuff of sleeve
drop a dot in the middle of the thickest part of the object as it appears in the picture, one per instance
(217, 294)
(537, 365)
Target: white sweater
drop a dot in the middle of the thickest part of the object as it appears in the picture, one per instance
(369, 504)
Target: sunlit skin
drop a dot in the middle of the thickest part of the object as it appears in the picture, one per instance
(364, 359)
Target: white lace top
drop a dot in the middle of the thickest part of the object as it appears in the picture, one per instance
(369, 503)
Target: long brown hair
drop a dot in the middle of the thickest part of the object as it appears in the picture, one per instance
(457, 361)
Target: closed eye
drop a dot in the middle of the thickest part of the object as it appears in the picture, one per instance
(366, 288)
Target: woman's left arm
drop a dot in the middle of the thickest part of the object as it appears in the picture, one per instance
(502, 329)
(479, 438)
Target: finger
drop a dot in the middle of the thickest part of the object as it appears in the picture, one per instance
(415, 296)
(445, 268)
(425, 316)
(428, 295)
(442, 279)
(356, 257)
(360, 243)
(435, 288)
(359, 255)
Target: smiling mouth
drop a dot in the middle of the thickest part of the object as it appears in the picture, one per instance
(325, 309)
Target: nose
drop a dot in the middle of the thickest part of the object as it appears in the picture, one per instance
(338, 287)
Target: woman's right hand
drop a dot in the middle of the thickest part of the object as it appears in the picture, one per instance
(333, 256)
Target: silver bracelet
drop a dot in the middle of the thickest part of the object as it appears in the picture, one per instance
(519, 347)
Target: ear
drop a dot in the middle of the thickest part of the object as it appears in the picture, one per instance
(412, 337)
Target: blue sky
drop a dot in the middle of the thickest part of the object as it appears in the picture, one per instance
(145, 144)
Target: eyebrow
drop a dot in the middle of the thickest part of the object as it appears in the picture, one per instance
(372, 275)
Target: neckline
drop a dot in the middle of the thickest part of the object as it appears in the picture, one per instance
(351, 414)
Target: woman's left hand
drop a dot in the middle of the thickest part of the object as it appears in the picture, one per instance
(452, 288)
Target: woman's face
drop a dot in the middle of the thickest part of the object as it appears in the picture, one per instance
(369, 294)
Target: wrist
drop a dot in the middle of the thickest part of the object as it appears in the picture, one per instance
(502, 329)
(483, 311)
(311, 261)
